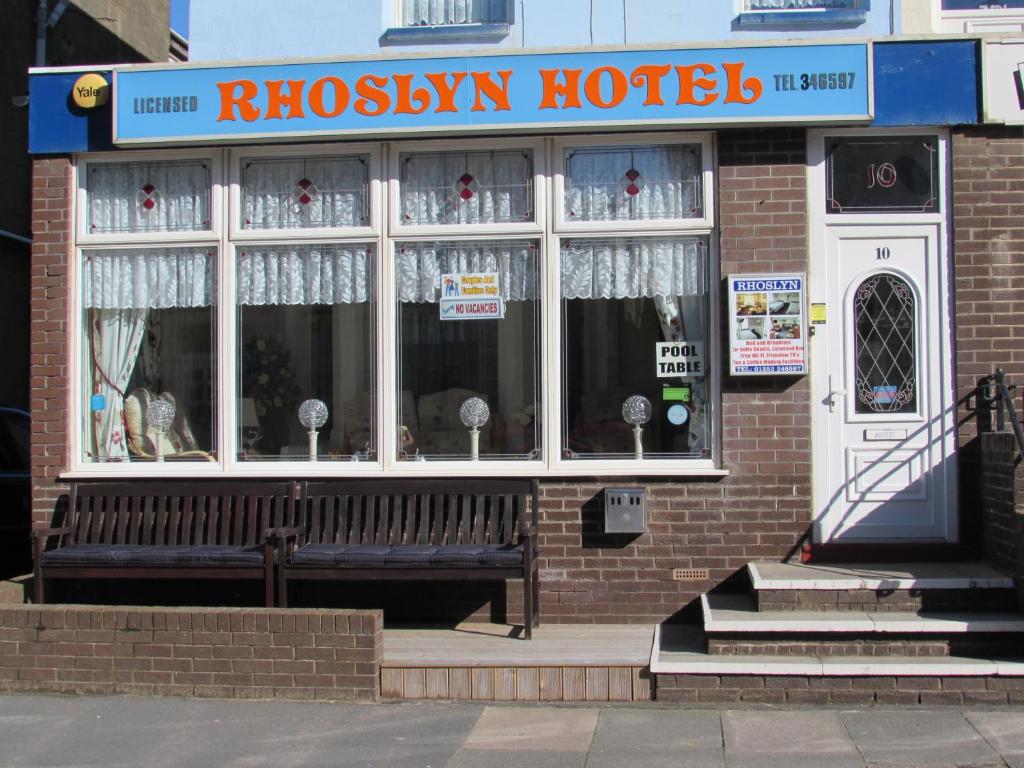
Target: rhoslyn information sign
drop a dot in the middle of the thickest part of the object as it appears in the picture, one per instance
(812, 83)
(766, 325)
(471, 296)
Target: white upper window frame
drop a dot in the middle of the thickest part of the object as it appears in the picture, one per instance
(396, 229)
(374, 197)
(697, 225)
(157, 239)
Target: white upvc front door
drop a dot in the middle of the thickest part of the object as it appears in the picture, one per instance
(883, 409)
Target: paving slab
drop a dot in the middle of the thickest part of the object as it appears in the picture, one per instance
(111, 732)
(487, 758)
(1004, 731)
(787, 739)
(542, 729)
(918, 737)
(657, 739)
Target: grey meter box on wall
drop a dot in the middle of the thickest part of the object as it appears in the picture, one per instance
(624, 510)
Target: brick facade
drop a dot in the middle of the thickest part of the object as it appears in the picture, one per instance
(52, 193)
(214, 652)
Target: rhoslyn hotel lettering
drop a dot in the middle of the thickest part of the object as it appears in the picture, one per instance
(605, 87)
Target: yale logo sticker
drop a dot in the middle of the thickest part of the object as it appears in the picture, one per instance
(90, 91)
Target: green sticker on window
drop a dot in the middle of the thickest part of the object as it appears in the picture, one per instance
(679, 394)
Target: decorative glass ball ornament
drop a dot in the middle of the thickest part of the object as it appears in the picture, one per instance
(160, 414)
(636, 410)
(313, 413)
(474, 413)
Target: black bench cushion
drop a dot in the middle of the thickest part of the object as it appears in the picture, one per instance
(453, 555)
(143, 554)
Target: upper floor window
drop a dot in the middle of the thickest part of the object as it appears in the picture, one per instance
(802, 12)
(425, 21)
(434, 13)
(981, 16)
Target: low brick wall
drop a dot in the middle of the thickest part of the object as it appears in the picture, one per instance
(240, 653)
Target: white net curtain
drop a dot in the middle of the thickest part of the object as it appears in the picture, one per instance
(633, 183)
(148, 197)
(417, 13)
(467, 187)
(305, 192)
(631, 268)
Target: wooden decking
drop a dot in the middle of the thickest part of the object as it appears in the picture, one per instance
(492, 662)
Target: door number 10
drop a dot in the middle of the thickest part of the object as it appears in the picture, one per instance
(882, 254)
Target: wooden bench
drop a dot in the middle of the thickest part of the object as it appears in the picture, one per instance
(415, 529)
(166, 529)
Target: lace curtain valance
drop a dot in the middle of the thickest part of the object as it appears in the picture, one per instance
(149, 278)
(628, 268)
(304, 275)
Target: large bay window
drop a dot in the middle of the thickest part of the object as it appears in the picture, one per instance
(456, 308)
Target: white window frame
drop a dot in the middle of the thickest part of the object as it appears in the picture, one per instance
(397, 32)
(87, 242)
(388, 342)
(697, 227)
(384, 233)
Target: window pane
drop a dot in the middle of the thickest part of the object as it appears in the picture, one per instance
(883, 316)
(801, 5)
(149, 320)
(890, 174)
(305, 193)
(148, 197)
(467, 187)
(418, 13)
(306, 330)
(633, 183)
(620, 298)
(444, 362)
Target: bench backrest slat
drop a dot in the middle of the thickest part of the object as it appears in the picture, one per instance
(179, 512)
(405, 511)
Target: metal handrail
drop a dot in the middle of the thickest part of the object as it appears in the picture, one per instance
(1004, 408)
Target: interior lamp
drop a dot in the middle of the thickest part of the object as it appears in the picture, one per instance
(160, 416)
(637, 412)
(312, 415)
(474, 414)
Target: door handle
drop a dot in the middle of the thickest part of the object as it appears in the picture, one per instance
(830, 398)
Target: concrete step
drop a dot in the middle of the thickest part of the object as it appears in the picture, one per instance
(684, 672)
(733, 626)
(902, 587)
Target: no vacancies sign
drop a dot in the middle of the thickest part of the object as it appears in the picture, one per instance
(765, 84)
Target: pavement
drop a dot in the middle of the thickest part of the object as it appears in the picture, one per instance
(116, 731)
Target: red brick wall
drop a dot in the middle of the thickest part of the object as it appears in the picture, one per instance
(50, 363)
(218, 652)
(988, 268)
(761, 510)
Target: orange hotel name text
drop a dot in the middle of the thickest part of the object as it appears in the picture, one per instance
(607, 87)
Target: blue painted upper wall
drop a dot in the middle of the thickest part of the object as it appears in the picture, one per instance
(225, 30)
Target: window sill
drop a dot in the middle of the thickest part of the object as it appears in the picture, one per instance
(429, 469)
(445, 33)
(801, 18)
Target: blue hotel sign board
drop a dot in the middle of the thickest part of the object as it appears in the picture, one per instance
(816, 83)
